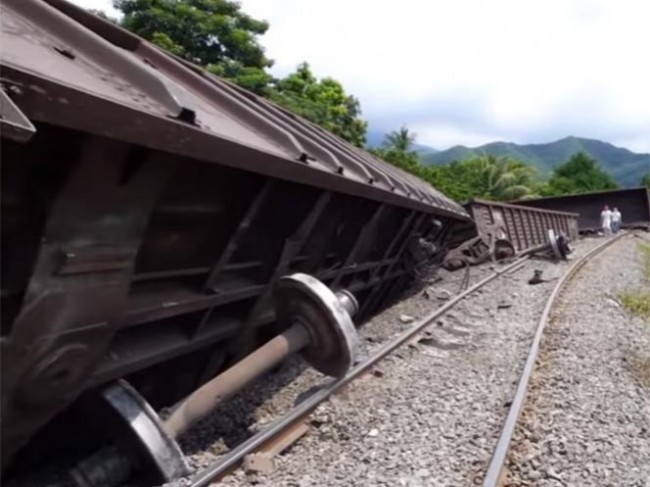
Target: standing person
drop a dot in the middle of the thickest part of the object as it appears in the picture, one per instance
(616, 220)
(606, 221)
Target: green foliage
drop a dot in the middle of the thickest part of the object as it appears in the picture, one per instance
(485, 177)
(323, 101)
(401, 140)
(217, 35)
(212, 33)
(645, 180)
(626, 167)
(638, 300)
(580, 174)
(505, 178)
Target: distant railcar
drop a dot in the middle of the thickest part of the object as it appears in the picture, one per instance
(633, 203)
(523, 227)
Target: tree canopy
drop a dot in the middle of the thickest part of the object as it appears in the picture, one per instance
(397, 149)
(580, 174)
(486, 176)
(323, 101)
(645, 180)
(217, 35)
(401, 140)
(213, 33)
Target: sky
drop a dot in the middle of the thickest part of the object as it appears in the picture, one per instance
(473, 71)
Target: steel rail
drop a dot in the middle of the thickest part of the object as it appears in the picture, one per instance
(495, 468)
(232, 458)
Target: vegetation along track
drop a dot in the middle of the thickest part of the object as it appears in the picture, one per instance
(525, 453)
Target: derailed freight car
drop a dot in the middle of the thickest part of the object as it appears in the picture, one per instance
(149, 208)
(633, 203)
(500, 230)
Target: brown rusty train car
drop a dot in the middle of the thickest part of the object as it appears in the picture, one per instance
(148, 209)
(523, 227)
(634, 204)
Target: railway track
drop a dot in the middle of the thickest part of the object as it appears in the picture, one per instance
(133, 278)
(285, 426)
(494, 476)
(286, 429)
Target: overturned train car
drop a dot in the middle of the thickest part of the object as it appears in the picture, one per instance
(149, 207)
(501, 230)
(633, 203)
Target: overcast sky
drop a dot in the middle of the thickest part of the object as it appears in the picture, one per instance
(472, 71)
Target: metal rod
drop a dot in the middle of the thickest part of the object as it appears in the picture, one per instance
(204, 479)
(497, 462)
(205, 399)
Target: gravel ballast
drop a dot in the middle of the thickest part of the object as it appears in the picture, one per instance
(587, 419)
(428, 415)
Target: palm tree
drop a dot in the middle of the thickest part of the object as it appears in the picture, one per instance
(401, 140)
(505, 178)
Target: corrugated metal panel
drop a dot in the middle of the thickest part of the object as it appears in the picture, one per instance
(523, 227)
(67, 67)
(634, 205)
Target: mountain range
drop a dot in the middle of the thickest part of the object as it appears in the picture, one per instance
(625, 166)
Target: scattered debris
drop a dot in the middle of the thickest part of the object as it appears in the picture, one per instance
(537, 277)
(504, 305)
(263, 461)
(443, 294)
(406, 319)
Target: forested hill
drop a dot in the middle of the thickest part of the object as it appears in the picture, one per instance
(625, 166)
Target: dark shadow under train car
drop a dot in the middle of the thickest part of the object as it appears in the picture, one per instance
(148, 209)
(633, 203)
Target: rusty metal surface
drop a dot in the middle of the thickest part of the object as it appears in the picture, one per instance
(523, 227)
(633, 203)
(62, 63)
(150, 214)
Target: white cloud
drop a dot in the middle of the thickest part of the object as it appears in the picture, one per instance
(464, 71)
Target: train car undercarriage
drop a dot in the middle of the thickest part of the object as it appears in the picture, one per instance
(150, 213)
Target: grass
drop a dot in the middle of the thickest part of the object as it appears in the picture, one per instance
(638, 300)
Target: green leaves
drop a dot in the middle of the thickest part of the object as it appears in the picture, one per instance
(484, 177)
(324, 102)
(580, 174)
(212, 33)
(401, 140)
(645, 180)
(217, 35)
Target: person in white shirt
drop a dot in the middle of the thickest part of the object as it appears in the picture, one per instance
(606, 221)
(616, 220)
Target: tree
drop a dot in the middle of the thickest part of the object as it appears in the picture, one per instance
(401, 140)
(645, 180)
(212, 33)
(580, 174)
(217, 35)
(504, 178)
(397, 149)
(323, 101)
(486, 176)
